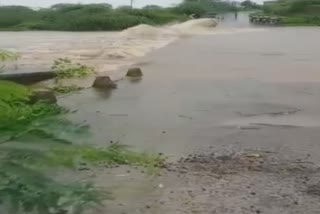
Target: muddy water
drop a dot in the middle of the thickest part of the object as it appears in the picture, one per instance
(106, 51)
(212, 90)
(243, 90)
(246, 89)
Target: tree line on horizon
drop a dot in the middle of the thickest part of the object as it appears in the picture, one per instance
(103, 17)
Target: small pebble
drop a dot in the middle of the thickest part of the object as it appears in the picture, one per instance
(252, 193)
(148, 207)
(163, 132)
(258, 211)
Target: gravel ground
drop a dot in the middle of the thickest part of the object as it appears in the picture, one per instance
(239, 182)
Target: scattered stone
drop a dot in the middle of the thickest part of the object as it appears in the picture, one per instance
(163, 132)
(134, 72)
(83, 168)
(43, 96)
(148, 207)
(61, 211)
(162, 202)
(204, 189)
(258, 211)
(104, 82)
(295, 202)
(252, 193)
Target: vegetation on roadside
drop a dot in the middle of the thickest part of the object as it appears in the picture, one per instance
(66, 89)
(65, 69)
(7, 56)
(35, 139)
(102, 17)
(295, 12)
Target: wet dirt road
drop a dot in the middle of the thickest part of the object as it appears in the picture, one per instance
(219, 96)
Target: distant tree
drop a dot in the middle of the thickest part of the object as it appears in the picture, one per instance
(152, 7)
(249, 4)
(191, 8)
(124, 7)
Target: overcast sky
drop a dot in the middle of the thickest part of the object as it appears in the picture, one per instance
(46, 3)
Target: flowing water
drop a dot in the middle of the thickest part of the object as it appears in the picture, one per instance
(106, 51)
(233, 85)
(249, 89)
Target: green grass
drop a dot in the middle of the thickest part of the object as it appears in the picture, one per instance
(36, 139)
(65, 69)
(63, 89)
(7, 56)
(295, 12)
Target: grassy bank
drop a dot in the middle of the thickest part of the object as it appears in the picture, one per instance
(295, 12)
(101, 17)
(36, 140)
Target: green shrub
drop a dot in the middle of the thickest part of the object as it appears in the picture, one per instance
(65, 68)
(35, 141)
(12, 92)
(66, 89)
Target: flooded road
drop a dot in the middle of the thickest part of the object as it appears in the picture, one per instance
(215, 94)
(213, 89)
(227, 92)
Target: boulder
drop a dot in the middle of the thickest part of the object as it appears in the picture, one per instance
(104, 82)
(43, 96)
(134, 72)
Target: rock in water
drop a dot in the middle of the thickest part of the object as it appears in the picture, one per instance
(43, 96)
(104, 82)
(134, 72)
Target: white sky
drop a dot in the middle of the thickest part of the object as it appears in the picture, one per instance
(46, 3)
